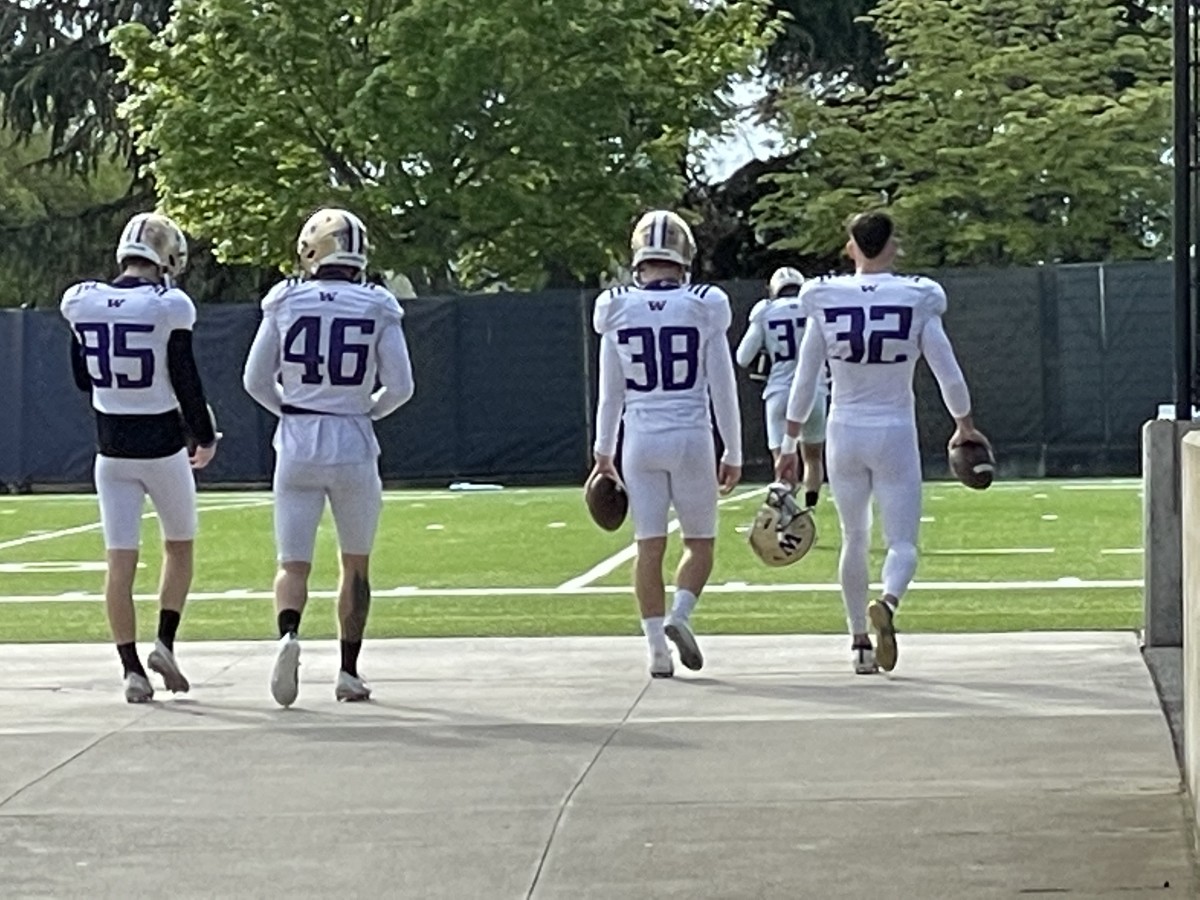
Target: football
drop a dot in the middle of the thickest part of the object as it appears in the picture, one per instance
(606, 501)
(973, 465)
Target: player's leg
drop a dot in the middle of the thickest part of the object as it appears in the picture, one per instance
(172, 490)
(812, 452)
(694, 495)
(356, 499)
(299, 503)
(897, 477)
(121, 494)
(775, 419)
(850, 482)
(647, 485)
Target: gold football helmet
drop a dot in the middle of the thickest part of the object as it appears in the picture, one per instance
(663, 236)
(783, 532)
(785, 277)
(332, 237)
(154, 238)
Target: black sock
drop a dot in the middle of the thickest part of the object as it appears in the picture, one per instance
(129, 659)
(350, 657)
(289, 621)
(168, 624)
(810, 498)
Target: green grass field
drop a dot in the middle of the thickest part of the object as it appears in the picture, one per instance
(1021, 556)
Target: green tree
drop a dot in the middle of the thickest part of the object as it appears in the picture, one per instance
(1013, 131)
(483, 143)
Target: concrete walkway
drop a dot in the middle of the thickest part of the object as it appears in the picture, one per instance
(987, 766)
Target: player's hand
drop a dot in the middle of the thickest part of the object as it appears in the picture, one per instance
(787, 469)
(606, 465)
(968, 434)
(728, 477)
(203, 456)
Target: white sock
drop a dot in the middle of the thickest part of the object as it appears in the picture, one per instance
(685, 602)
(652, 627)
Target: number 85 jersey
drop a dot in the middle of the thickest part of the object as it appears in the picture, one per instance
(123, 331)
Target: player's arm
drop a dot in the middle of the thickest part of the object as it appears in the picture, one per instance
(395, 372)
(722, 388)
(260, 377)
(610, 404)
(753, 340)
(79, 369)
(939, 353)
(183, 372)
(805, 383)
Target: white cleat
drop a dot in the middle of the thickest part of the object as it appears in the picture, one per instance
(661, 664)
(864, 660)
(138, 689)
(162, 661)
(285, 676)
(351, 688)
(679, 631)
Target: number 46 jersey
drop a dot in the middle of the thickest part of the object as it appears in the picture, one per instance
(320, 351)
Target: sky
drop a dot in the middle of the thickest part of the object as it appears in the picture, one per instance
(746, 141)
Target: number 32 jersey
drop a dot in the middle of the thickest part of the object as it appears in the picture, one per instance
(124, 332)
(873, 329)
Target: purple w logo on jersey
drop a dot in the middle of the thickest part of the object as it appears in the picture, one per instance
(114, 302)
(657, 304)
(867, 287)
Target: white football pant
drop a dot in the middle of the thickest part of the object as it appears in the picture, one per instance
(671, 467)
(355, 495)
(884, 461)
(122, 486)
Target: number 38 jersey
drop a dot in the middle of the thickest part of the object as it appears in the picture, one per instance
(663, 338)
(872, 327)
(124, 332)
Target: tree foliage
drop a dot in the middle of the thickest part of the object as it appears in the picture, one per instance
(1013, 131)
(825, 44)
(483, 143)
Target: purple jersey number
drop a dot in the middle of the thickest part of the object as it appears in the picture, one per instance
(670, 358)
(109, 342)
(859, 343)
(786, 330)
(307, 332)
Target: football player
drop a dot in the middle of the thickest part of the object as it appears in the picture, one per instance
(872, 327)
(776, 326)
(663, 356)
(132, 351)
(326, 340)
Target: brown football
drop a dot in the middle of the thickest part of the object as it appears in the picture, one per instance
(973, 465)
(606, 501)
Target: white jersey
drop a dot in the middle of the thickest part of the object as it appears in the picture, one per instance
(777, 327)
(872, 330)
(124, 332)
(321, 349)
(328, 334)
(662, 337)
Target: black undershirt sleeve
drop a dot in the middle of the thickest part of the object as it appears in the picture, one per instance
(79, 368)
(185, 379)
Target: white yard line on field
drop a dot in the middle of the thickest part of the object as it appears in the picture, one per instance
(95, 526)
(1071, 584)
(624, 555)
(990, 551)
